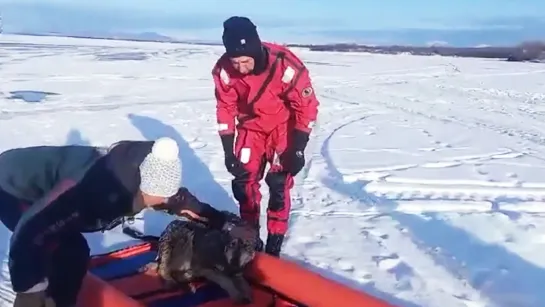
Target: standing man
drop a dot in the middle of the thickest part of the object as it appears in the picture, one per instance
(268, 90)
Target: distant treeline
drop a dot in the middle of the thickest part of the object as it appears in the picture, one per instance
(532, 51)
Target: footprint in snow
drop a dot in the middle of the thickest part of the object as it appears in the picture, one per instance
(319, 236)
(363, 277)
(322, 265)
(482, 172)
(426, 133)
(197, 145)
(443, 144)
(345, 266)
(306, 241)
(511, 175)
(509, 239)
(387, 262)
(428, 149)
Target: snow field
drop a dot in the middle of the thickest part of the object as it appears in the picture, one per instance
(423, 184)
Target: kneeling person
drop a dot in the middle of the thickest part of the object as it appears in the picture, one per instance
(50, 195)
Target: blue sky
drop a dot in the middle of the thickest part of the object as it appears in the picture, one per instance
(460, 22)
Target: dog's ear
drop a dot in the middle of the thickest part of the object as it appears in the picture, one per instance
(230, 252)
(246, 256)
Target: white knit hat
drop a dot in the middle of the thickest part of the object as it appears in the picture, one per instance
(161, 170)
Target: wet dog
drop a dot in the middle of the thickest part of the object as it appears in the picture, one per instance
(189, 251)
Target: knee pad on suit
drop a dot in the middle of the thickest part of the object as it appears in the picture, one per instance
(277, 187)
(238, 186)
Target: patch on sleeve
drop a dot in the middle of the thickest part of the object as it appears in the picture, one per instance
(224, 76)
(307, 91)
(288, 75)
(222, 127)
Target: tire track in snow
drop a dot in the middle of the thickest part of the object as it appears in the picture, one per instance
(420, 189)
(462, 190)
(478, 276)
(486, 284)
(535, 137)
(401, 256)
(387, 101)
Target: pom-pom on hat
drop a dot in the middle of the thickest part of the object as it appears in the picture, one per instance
(161, 170)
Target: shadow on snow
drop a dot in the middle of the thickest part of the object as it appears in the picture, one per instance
(196, 175)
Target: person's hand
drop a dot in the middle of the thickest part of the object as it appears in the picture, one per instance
(293, 159)
(33, 299)
(234, 166)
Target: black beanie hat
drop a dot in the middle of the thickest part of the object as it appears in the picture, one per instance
(240, 38)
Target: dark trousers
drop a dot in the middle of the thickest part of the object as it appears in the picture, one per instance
(69, 258)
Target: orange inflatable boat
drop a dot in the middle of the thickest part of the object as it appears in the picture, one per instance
(114, 281)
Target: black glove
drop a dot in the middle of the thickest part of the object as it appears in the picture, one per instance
(293, 159)
(185, 204)
(233, 165)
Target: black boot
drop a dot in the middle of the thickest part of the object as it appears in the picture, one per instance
(258, 242)
(274, 244)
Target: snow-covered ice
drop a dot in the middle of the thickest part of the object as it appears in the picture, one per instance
(424, 184)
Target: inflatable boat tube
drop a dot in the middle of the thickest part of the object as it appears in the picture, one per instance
(115, 280)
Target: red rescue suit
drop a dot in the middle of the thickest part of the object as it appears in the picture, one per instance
(267, 107)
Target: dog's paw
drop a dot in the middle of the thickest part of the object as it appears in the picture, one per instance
(150, 267)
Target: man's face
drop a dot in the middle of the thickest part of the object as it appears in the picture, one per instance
(243, 64)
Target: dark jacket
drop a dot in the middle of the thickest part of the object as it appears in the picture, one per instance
(75, 188)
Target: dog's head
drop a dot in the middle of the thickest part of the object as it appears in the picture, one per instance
(238, 253)
(240, 248)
